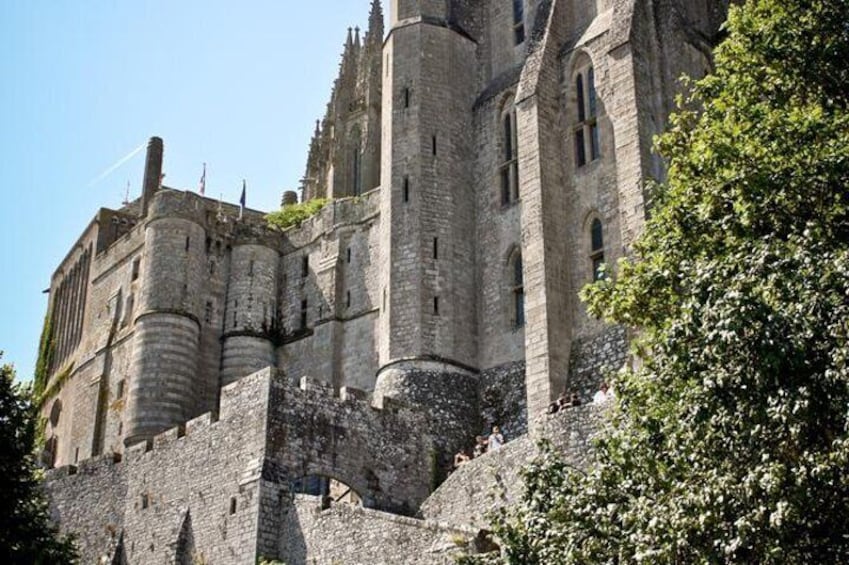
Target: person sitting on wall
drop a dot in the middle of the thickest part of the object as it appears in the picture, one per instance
(495, 439)
(603, 394)
(461, 457)
(561, 402)
(574, 400)
(480, 446)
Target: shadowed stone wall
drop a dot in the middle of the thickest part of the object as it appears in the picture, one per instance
(493, 480)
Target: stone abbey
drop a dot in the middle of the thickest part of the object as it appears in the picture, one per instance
(218, 387)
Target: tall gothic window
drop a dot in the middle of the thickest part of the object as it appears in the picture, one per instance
(356, 162)
(587, 141)
(518, 22)
(509, 169)
(596, 248)
(358, 175)
(517, 290)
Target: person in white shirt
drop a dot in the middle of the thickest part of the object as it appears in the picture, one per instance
(603, 395)
(495, 439)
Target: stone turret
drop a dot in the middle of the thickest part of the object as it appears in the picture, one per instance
(250, 321)
(164, 366)
(427, 335)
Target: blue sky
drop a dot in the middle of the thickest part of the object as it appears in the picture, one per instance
(237, 85)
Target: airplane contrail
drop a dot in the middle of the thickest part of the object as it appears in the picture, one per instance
(111, 169)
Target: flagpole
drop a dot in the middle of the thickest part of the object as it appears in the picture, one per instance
(202, 185)
(242, 199)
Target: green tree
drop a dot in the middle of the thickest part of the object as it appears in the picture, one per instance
(731, 443)
(26, 534)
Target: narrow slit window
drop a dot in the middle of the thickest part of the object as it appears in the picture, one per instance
(436, 306)
(433, 141)
(136, 268)
(406, 97)
(304, 311)
(436, 248)
(305, 266)
(233, 505)
(406, 189)
(188, 241)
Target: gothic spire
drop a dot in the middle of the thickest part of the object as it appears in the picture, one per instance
(375, 22)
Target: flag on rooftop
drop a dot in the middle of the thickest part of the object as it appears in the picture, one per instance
(202, 189)
(242, 199)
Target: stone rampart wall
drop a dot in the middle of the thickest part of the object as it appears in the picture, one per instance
(196, 491)
(493, 481)
(88, 500)
(354, 535)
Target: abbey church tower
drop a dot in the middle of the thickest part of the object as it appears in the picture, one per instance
(344, 155)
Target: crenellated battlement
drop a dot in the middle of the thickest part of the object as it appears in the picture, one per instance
(268, 395)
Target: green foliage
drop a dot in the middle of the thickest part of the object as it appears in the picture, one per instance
(45, 357)
(55, 386)
(266, 561)
(731, 443)
(294, 214)
(26, 534)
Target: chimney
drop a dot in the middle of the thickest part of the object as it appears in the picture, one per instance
(289, 197)
(152, 172)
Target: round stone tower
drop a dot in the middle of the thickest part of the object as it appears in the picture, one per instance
(427, 338)
(164, 366)
(251, 313)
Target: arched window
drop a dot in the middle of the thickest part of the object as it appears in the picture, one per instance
(587, 140)
(55, 413)
(596, 248)
(509, 168)
(517, 290)
(518, 22)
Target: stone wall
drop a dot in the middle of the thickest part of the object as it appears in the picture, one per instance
(210, 488)
(493, 481)
(354, 535)
(503, 401)
(446, 394)
(498, 232)
(384, 452)
(88, 500)
(593, 359)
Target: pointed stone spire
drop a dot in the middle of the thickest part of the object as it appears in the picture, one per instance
(357, 38)
(375, 23)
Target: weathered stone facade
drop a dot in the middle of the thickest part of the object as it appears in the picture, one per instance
(483, 159)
